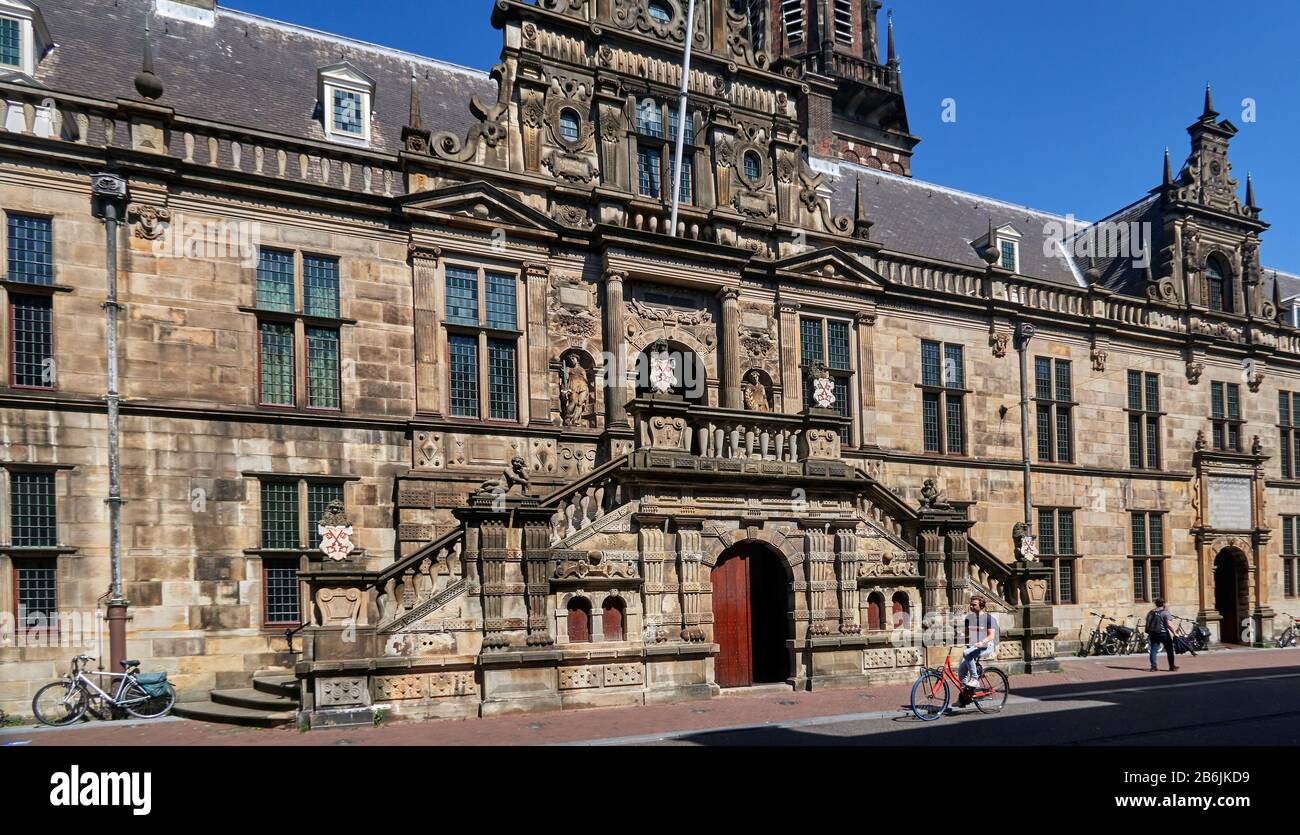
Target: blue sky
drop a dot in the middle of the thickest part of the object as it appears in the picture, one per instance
(1062, 106)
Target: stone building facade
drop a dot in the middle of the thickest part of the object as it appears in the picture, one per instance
(585, 460)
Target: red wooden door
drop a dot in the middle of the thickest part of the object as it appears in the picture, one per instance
(731, 628)
(612, 619)
(579, 620)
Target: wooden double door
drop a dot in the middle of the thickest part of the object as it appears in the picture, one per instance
(751, 617)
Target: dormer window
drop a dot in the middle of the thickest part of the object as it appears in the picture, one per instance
(345, 95)
(1009, 255)
(23, 37)
(1006, 243)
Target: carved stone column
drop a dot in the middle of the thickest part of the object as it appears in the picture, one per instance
(615, 351)
(539, 388)
(428, 355)
(537, 564)
(656, 562)
(690, 571)
(932, 560)
(495, 562)
(863, 323)
(958, 569)
(791, 374)
(731, 396)
(846, 552)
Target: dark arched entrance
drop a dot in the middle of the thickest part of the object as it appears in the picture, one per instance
(751, 617)
(1230, 594)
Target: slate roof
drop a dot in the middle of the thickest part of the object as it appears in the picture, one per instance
(246, 70)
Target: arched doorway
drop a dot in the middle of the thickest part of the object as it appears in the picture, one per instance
(751, 616)
(1231, 596)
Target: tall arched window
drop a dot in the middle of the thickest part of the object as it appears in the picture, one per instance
(570, 124)
(612, 618)
(579, 620)
(1218, 285)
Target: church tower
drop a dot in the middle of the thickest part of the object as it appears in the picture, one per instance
(856, 110)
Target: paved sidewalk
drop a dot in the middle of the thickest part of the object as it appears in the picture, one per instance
(635, 724)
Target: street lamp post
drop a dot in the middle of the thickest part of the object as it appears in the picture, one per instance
(1024, 333)
(108, 196)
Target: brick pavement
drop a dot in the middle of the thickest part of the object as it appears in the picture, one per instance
(604, 723)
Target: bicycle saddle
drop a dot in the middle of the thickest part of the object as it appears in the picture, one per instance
(126, 664)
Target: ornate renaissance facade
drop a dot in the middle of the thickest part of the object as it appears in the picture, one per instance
(427, 405)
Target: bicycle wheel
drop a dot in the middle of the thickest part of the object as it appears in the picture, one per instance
(1087, 648)
(141, 705)
(992, 693)
(59, 703)
(930, 696)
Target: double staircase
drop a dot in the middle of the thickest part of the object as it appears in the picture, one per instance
(271, 701)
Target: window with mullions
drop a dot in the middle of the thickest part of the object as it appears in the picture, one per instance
(570, 125)
(1218, 285)
(281, 512)
(827, 341)
(347, 112)
(36, 593)
(1148, 555)
(1288, 424)
(649, 165)
(1143, 420)
(31, 341)
(1225, 414)
(278, 337)
(1056, 550)
(943, 384)
(483, 320)
(11, 42)
(34, 524)
(31, 249)
(1290, 556)
(1052, 395)
(657, 150)
(281, 603)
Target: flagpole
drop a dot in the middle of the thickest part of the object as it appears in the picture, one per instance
(681, 116)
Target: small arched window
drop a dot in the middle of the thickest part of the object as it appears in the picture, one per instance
(875, 611)
(753, 166)
(612, 619)
(1218, 285)
(569, 125)
(660, 12)
(579, 620)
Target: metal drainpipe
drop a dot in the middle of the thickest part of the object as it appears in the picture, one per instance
(1024, 333)
(108, 192)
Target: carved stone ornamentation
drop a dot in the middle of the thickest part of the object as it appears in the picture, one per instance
(998, 342)
(932, 497)
(335, 532)
(1098, 358)
(589, 566)
(514, 476)
(1201, 443)
(1194, 372)
(756, 395)
(823, 386)
(151, 220)
(575, 392)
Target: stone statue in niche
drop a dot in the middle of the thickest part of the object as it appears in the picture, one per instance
(575, 392)
(755, 392)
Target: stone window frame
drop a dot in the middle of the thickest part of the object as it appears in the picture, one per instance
(943, 394)
(664, 142)
(28, 289)
(1146, 557)
(1226, 423)
(484, 333)
(302, 323)
(1227, 289)
(11, 555)
(1051, 553)
(278, 557)
(844, 375)
(33, 36)
(1054, 408)
(1144, 420)
(346, 78)
(1290, 556)
(1288, 427)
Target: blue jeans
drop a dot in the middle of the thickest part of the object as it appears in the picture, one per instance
(1165, 640)
(968, 660)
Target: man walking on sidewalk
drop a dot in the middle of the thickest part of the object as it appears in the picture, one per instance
(1160, 631)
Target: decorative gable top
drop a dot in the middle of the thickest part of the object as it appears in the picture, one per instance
(831, 263)
(478, 203)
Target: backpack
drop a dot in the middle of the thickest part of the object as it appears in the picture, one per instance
(1155, 623)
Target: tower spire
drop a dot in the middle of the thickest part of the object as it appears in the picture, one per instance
(892, 55)
(1209, 112)
(414, 120)
(861, 225)
(1169, 173)
(1250, 193)
(147, 84)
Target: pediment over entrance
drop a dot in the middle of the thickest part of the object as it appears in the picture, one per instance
(478, 204)
(829, 264)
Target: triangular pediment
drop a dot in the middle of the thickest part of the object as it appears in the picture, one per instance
(829, 264)
(477, 204)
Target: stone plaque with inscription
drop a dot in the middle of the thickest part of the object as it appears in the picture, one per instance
(1230, 504)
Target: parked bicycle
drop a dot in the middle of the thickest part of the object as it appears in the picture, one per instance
(932, 692)
(1196, 636)
(1289, 636)
(1108, 639)
(143, 695)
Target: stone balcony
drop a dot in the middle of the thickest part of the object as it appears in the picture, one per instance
(671, 433)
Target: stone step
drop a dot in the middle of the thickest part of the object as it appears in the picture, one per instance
(254, 699)
(277, 685)
(209, 711)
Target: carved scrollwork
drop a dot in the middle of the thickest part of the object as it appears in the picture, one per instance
(491, 128)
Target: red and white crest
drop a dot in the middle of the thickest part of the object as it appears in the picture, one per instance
(824, 392)
(336, 541)
(1029, 549)
(663, 372)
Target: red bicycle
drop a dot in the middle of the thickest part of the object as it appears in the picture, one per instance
(932, 692)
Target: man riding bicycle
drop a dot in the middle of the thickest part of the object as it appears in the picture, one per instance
(981, 640)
